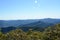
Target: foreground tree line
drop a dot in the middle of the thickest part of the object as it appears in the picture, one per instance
(50, 33)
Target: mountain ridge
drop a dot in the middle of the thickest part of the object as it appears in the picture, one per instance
(15, 23)
(39, 24)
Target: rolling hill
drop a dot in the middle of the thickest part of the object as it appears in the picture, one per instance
(32, 22)
(36, 24)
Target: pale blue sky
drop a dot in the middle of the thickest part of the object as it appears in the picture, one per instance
(29, 9)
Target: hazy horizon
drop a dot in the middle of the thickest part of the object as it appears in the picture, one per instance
(28, 19)
(29, 9)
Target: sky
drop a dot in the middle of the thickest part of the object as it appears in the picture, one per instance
(29, 9)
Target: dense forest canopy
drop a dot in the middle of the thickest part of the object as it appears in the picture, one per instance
(50, 33)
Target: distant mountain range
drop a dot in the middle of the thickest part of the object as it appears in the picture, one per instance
(35, 24)
(15, 23)
(29, 23)
(50, 20)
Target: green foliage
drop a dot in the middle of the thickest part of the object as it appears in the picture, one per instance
(51, 33)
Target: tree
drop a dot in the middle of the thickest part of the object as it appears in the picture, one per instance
(52, 33)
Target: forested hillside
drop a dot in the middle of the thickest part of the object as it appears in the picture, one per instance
(50, 33)
(29, 23)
